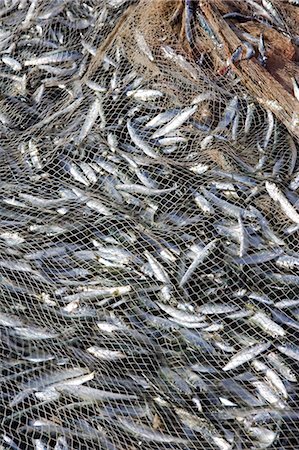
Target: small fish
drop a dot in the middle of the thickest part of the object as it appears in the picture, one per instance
(93, 293)
(249, 50)
(249, 117)
(70, 376)
(145, 94)
(294, 155)
(275, 193)
(246, 355)
(180, 315)
(90, 120)
(207, 95)
(29, 14)
(272, 10)
(216, 308)
(93, 394)
(230, 209)
(178, 59)
(9, 441)
(260, 298)
(39, 445)
(229, 113)
(161, 118)
(288, 262)
(157, 268)
(78, 174)
(88, 172)
(61, 112)
(262, 58)
(236, 55)
(189, 16)
(95, 86)
(139, 142)
(243, 238)
(237, 390)
(61, 444)
(271, 124)
(142, 45)
(258, 258)
(12, 63)
(269, 234)
(12, 238)
(271, 377)
(235, 127)
(267, 324)
(143, 432)
(236, 15)
(265, 437)
(144, 190)
(176, 122)
(104, 354)
(204, 428)
(268, 393)
(203, 203)
(292, 351)
(199, 259)
(53, 57)
(282, 368)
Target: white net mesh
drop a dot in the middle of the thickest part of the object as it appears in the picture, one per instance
(149, 226)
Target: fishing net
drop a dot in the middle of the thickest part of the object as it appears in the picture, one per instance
(149, 224)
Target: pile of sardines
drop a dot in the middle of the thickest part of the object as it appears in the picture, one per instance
(149, 284)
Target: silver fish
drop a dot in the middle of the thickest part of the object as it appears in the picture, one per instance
(176, 122)
(246, 355)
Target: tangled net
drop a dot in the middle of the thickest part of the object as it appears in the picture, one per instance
(149, 225)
